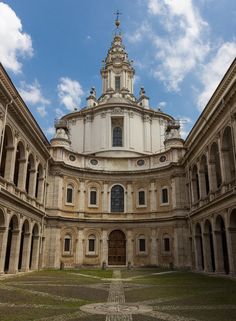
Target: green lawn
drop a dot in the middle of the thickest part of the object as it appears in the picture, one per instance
(57, 295)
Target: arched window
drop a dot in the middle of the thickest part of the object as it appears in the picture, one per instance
(117, 137)
(91, 244)
(117, 199)
(67, 244)
(69, 194)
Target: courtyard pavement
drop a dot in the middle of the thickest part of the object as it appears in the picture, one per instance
(117, 295)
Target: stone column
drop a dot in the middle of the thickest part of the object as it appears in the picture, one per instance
(231, 241)
(82, 196)
(198, 252)
(14, 253)
(153, 197)
(3, 247)
(22, 173)
(79, 248)
(207, 252)
(222, 162)
(88, 133)
(219, 262)
(129, 198)
(35, 252)
(105, 198)
(32, 182)
(40, 189)
(103, 131)
(104, 249)
(202, 184)
(153, 249)
(10, 163)
(130, 247)
(147, 133)
(26, 252)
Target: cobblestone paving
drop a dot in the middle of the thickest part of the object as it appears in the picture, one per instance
(116, 295)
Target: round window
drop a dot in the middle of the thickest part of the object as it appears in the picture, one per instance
(162, 158)
(140, 162)
(93, 161)
(72, 158)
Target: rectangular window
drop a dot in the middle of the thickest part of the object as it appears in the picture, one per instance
(69, 195)
(142, 245)
(166, 244)
(141, 198)
(93, 197)
(91, 246)
(117, 83)
(164, 198)
(67, 245)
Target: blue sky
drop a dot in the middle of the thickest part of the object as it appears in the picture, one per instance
(53, 51)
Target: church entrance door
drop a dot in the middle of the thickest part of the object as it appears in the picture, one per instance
(117, 248)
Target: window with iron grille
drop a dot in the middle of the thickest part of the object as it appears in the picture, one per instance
(166, 244)
(67, 244)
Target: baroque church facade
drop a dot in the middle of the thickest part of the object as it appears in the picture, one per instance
(117, 185)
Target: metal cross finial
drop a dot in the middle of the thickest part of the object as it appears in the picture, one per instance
(117, 22)
(117, 13)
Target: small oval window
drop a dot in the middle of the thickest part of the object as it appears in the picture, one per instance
(140, 162)
(93, 161)
(162, 158)
(72, 158)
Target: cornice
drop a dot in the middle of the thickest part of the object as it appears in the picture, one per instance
(110, 106)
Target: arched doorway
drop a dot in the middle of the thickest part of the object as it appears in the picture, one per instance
(117, 248)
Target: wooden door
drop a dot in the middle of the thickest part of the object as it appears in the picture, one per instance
(117, 248)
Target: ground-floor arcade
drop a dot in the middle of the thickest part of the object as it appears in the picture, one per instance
(214, 243)
(20, 242)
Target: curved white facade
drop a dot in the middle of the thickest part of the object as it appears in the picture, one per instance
(142, 130)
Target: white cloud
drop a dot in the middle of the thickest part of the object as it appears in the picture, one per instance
(161, 105)
(14, 43)
(32, 94)
(42, 111)
(212, 72)
(180, 42)
(49, 131)
(59, 113)
(136, 79)
(137, 36)
(185, 125)
(184, 45)
(70, 93)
